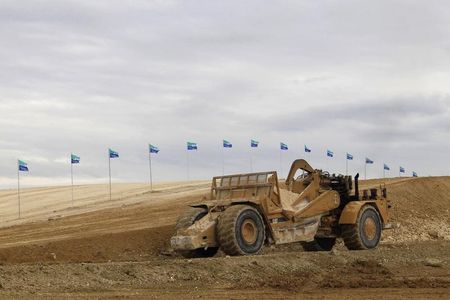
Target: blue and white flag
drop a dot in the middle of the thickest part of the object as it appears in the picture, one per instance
(330, 153)
(414, 174)
(402, 170)
(307, 150)
(191, 146)
(153, 149)
(254, 143)
(283, 146)
(74, 159)
(113, 154)
(386, 167)
(369, 161)
(349, 156)
(227, 144)
(23, 166)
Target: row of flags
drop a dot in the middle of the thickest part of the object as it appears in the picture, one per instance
(192, 146)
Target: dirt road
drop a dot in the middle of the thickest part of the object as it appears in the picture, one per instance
(109, 249)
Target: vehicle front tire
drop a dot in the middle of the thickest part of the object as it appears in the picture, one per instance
(366, 233)
(241, 230)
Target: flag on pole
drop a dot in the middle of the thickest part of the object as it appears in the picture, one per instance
(349, 157)
(227, 144)
(254, 143)
(369, 161)
(23, 166)
(153, 149)
(386, 167)
(74, 159)
(113, 154)
(307, 150)
(402, 170)
(414, 174)
(191, 146)
(283, 146)
(330, 153)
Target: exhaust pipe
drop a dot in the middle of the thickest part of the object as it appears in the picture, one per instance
(357, 187)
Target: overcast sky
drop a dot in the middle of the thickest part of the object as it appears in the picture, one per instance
(367, 77)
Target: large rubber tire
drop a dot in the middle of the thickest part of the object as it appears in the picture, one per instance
(366, 233)
(185, 221)
(241, 230)
(319, 244)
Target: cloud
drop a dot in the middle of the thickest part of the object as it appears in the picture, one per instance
(83, 76)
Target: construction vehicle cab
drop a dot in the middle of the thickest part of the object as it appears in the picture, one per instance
(247, 211)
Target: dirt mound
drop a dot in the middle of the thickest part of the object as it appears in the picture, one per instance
(422, 208)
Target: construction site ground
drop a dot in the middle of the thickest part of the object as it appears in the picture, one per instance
(99, 248)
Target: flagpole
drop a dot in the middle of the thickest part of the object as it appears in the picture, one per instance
(365, 171)
(150, 170)
(71, 175)
(281, 164)
(346, 166)
(18, 185)
(251, 160)
(187, 159)
(110, 194)
(384, 172)
(223, 160)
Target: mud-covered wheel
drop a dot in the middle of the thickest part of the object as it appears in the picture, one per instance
(366, 233)
(241, 230)
(319, 244)
(185, 221)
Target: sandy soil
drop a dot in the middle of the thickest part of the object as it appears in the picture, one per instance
(54, 202)
(106, 249)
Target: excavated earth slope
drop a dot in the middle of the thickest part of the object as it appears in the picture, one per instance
(119, 248)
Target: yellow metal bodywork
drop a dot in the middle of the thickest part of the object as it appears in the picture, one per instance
(201, 234)
(302, 208)
(351, 211)
(312, 199)
(327, 201)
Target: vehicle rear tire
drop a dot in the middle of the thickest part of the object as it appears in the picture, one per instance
(185, 221)
(366, 233)
(241, 230)
(319, 244)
